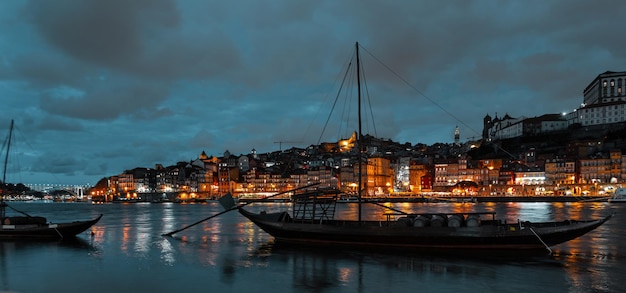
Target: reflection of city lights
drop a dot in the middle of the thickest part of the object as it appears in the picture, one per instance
(345, 274)
(125, 238)
(167, 252)
(143, 233)
(459, 207)
(98, 232)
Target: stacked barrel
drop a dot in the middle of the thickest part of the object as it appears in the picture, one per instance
(440, 220)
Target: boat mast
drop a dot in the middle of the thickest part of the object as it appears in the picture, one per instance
(359, 136)
(4, 172)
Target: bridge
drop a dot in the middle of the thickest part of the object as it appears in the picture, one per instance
(75, 190)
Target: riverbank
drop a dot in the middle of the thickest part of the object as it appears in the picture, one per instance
(410, 199)
(496, 199)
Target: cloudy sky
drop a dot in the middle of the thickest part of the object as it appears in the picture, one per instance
(98, 87)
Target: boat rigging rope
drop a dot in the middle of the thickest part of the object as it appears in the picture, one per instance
(60, 235)
(16, 210)
(541, 240)
(335, 102)
(348, 77)
(432, 101)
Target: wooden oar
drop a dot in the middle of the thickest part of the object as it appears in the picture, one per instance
(198, 222)
(232, 209)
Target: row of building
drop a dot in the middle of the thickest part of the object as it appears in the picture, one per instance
(391, 168)
(255, 175)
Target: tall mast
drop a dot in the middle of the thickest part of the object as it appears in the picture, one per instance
(359, 136)
(6, 156)
(4, 172)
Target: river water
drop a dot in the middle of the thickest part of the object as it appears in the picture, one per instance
(125, 252)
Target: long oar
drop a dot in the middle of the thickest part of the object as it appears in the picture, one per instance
(232, 209)
(198, 222)
(384, 206)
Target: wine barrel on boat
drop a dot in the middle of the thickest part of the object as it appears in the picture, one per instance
(404, 221)
(455, 220)
(473, 221)
(421, 221)
(438, 221)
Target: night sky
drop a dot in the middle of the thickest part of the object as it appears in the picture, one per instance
(98, 87)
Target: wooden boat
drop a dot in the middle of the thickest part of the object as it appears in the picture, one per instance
(33, 227)
(30, 227)
(312, 222)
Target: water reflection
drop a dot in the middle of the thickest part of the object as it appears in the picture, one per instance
(322, 269)
(232, 254)
(588, 259)
(315, 269)
(166, 250)
(15, 255)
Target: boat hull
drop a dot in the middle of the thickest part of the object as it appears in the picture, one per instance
(45, 231)
(489, 235)
(619, 196)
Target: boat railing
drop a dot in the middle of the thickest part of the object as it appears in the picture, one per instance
(314, 207)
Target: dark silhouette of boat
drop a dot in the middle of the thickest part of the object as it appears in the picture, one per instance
(26, 226)
(32, 227)
(312, 221)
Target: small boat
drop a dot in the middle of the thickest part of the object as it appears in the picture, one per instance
(32, 227)
(312, 221)
(618, 196)
(26, 226)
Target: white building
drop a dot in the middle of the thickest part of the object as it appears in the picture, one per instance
(606, 87)
(505, 127)
(598, 114)
(508, 127)
(604, 101)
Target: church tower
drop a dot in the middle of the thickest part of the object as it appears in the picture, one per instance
(487, 124)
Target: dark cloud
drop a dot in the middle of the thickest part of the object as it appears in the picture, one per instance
(105, 86)
(143, 38)
(106, 33)
(58, 163)
(51, 123)
(138, 100)
(203, 139)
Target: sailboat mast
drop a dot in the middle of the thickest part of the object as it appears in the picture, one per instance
(359, 136)
(6, 156)
(4, 172)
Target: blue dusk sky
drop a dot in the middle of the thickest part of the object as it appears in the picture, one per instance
(99, 87)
